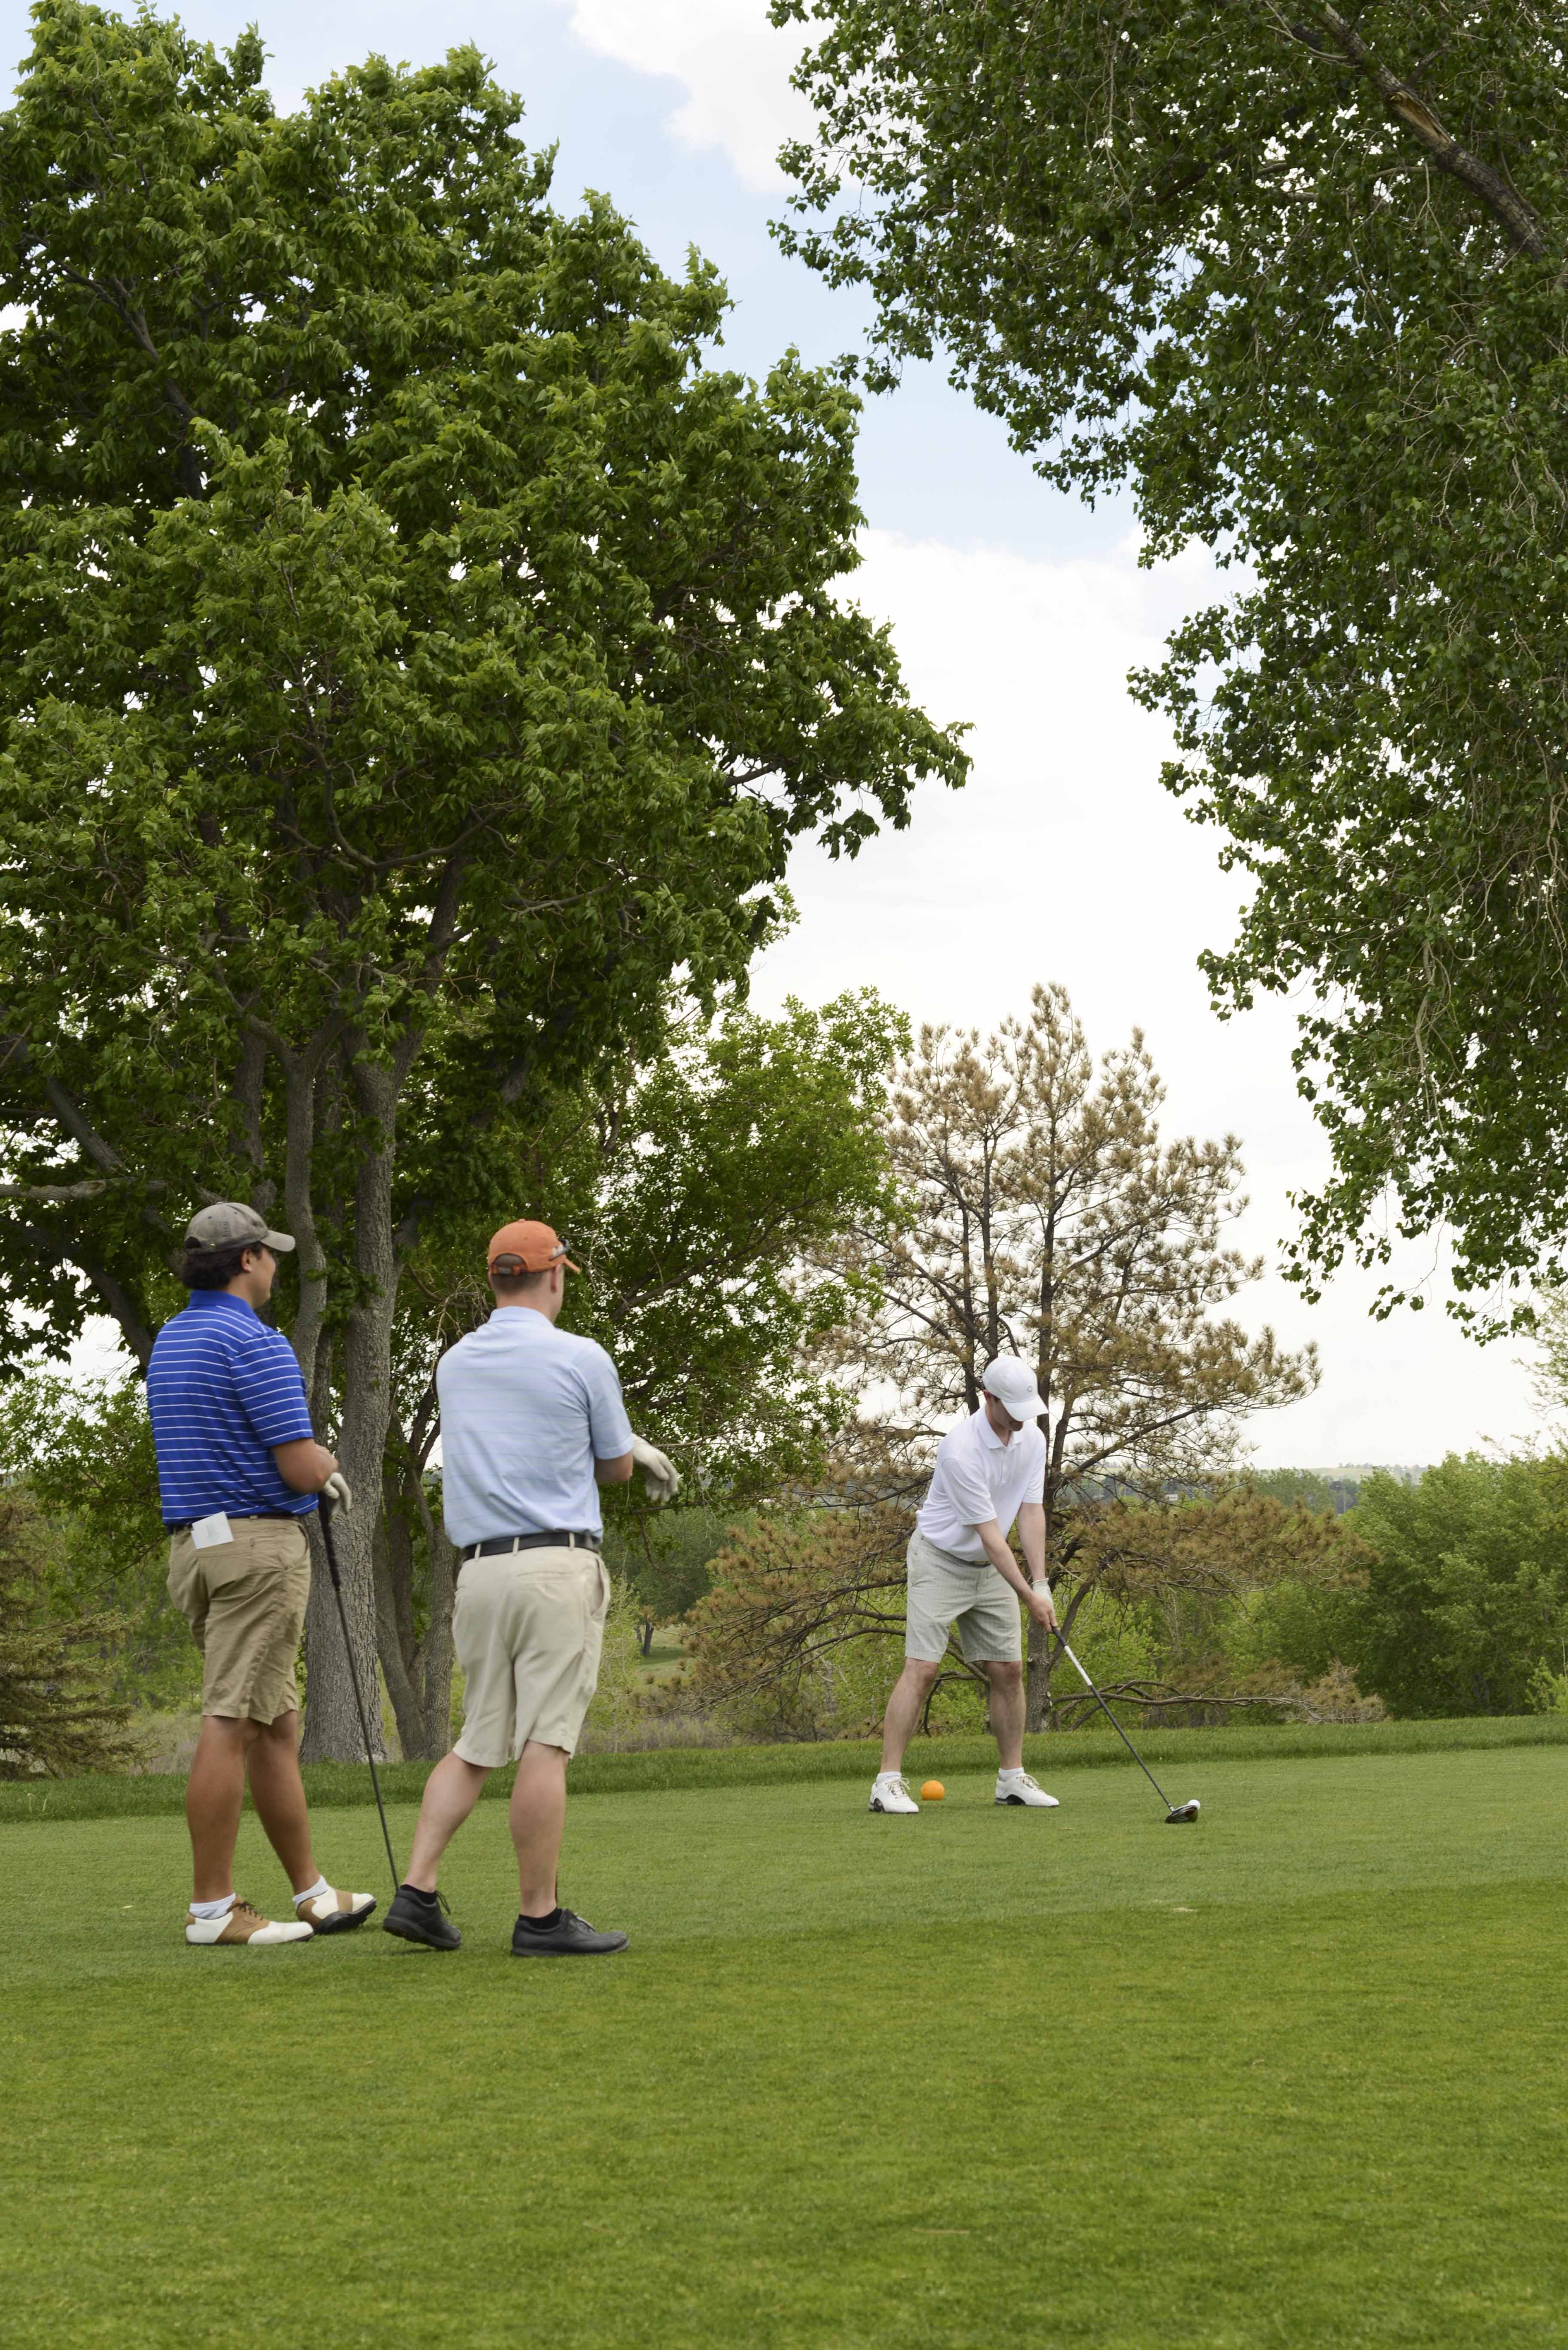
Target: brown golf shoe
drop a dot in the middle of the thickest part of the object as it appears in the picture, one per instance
(244, 1925)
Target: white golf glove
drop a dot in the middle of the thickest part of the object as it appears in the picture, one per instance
(660, 1474)
(336, 1491)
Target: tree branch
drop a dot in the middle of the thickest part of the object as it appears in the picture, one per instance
(1411, 109)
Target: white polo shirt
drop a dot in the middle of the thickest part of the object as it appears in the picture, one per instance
(525, 1410)
(978, 1477)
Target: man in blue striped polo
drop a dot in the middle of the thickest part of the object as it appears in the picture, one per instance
(239, 1470)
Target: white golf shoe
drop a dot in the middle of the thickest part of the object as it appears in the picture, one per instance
(1018, 1787)
(243, 1926)
(888, 1793)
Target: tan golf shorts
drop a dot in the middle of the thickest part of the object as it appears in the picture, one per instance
(945, 1590)
(528, 1627)
(245, 1602)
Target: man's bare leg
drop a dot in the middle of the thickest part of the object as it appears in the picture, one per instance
(904, 1709)
(1006, 1711)
(214, 1791)
(452, 1792)
(538, 1818)
(277, 1791)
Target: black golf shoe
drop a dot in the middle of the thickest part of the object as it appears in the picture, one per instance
(570, 1937)
(421, 1917)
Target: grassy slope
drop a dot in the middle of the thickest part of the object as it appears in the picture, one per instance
(1295, 2075)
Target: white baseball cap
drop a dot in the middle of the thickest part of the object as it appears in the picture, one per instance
(1012, 1382)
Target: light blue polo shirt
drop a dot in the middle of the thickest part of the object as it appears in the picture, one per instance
(525, 1410)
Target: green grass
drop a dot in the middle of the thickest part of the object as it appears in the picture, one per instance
(664, 1770)
(1295, 2075)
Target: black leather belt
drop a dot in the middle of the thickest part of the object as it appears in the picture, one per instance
(499, 1545)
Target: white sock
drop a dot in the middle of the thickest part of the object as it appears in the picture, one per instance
(1018, 1772)
(219, 1908)
(883, 1776)
(312, 1892)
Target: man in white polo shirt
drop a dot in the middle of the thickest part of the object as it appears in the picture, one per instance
(990, 1469)
(532, 1423)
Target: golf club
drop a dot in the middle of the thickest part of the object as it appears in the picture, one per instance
(327, 1509)
(1176, 1814)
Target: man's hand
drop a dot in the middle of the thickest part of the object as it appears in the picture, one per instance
(1040, 1605)
(660, 1474)
(337, 1491)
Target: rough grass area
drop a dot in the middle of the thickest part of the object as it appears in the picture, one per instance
(1293, 2075)
(666, 1769)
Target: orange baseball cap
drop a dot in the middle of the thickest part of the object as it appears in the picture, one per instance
(525, 1247)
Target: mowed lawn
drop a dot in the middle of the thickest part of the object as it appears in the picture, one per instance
(1293, 2075)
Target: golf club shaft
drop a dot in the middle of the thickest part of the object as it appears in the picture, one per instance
(1116, 1725)
(354, 1677)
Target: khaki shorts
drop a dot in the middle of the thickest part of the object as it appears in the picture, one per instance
(527, 1627)
(945, 1590)
(245, 1602)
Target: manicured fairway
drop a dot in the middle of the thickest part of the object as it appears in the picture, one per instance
(1293, 2075)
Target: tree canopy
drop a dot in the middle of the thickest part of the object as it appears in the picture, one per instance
(1301, 276)
(414, 658)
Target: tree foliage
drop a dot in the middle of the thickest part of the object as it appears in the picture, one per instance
(1466, 1608)
(79, 1454)
(412, 655)
(1301, 276)
(57, 1712)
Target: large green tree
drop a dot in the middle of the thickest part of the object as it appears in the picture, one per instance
(1300, 275)
(412, 655)
(693, 1191)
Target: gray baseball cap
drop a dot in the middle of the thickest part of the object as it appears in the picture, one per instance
(227, 1224)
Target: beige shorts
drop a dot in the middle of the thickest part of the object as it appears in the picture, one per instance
(527, 1627)
(945, 1590)
(245, 1602)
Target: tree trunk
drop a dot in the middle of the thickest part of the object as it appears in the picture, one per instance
(332, 1732)
(394, 1629)
(1042, 1655)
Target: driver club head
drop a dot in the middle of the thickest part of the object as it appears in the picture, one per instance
(1181, 1812)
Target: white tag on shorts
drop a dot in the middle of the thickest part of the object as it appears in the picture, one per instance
(208, 1532)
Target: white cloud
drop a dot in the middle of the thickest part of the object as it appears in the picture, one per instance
(1063, 859)
(735, 68)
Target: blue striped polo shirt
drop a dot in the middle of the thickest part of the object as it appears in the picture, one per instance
(222, 1388)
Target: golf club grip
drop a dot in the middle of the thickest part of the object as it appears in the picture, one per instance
(326, 1505)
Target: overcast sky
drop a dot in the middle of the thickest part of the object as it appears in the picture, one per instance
(1012, 609)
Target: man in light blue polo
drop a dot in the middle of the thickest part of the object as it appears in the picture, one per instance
(532, 1424)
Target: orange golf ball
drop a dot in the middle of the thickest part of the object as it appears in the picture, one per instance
(932, 1792)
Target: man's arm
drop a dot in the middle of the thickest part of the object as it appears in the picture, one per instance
(1032, 1533)
(616, 1471)
(304, 1466)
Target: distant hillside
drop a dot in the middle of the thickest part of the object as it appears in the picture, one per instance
(1335, 1489)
